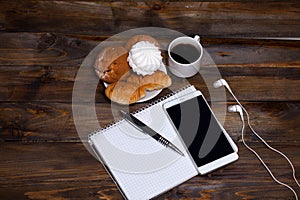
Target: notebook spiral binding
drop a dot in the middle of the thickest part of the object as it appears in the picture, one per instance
(161, 99)
(110, 125)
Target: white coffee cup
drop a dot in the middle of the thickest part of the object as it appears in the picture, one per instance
(182, 69)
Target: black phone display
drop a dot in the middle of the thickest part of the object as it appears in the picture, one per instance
(201, 132)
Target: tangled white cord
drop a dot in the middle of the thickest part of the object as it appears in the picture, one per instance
(222, 82)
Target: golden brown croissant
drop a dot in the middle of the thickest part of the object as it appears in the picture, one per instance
(132, 87)
(126, 90)
(155, 81)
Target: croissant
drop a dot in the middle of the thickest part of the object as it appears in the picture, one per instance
(132, 87)
(156, 81)
(126, 90)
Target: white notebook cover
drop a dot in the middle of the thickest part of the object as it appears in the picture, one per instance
(141, 167)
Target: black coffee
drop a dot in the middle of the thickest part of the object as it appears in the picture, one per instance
(185, 53)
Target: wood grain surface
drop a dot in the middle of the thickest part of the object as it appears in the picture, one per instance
(39, 67)
(42, 171)
(44, 43)
(96, 18)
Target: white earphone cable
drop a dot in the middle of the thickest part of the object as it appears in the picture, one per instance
(258, 136)
(264, 164)
(273, 149)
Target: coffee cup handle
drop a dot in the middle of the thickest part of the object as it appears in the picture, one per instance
(197, 38)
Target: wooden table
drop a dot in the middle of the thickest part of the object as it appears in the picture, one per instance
(43, 43)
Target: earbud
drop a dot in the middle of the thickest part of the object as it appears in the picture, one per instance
(236, 108)
(221, 82)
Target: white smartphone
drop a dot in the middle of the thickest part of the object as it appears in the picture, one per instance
(206, 140)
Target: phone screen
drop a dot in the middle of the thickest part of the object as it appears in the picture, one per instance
(200, 130)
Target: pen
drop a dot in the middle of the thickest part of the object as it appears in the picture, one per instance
(149, 131)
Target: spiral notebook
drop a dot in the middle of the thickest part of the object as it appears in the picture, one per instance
(140, 166)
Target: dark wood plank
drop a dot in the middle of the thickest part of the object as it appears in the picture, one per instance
(54, 49)
(68, 171)
(54, 122)
(44, 49)
(55, 84)
(39, 67)
(96, 18)
(51, 170)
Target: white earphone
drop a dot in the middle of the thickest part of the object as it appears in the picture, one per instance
(239, 108)
(221, 82)
(236, 108)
